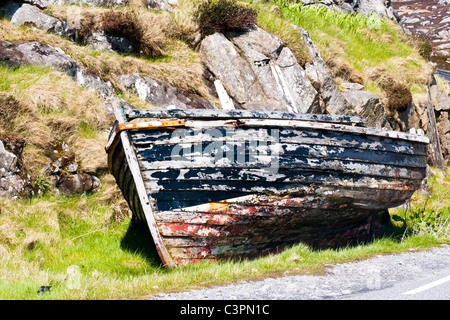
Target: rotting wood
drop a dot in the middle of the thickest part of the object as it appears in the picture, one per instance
(285, 136)
(320, 179)
(241, 114)
(141, 125)
(288, 153)
(437, 159)
(311, 125)
(140, 189)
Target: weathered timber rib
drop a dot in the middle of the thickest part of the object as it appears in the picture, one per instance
(240, 114)
(218, 184)
(285, 136)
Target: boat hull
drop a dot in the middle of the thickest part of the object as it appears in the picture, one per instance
(233, 188)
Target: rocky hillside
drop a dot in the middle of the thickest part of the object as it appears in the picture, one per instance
(430, 20)
(65, 63)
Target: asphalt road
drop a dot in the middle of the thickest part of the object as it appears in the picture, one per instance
(444, 74)
(434, 287)
(415, 275)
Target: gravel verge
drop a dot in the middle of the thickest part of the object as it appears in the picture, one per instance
(340, 281)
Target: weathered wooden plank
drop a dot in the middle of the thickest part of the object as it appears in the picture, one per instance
(144, 125)
(179, 242)
(195, 230)
(223, 252)
(239, 114)
(294, 175)
(272, 165)
(140, 188)
(262, 216)
(263, 229)
(378, 198)
(165, 200)
(336, 127)
(324, 199)
(290, 229)
(244, 151)
(264, 205)
(436, 156)
(269, 187)
(225, 100)
(143, 139)
(299, 124)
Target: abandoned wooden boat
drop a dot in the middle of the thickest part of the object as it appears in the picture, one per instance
(218, 184)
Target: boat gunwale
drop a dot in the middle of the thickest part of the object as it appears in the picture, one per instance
(343, 122)
(238, 114)
(285, 123)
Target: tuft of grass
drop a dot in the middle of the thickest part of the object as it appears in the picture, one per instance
(224, 15)
(398, 95)
(427, 212)
(140, 27)
(41, 104)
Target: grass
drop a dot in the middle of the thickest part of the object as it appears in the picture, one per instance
(180, 66)
(361, 49)
(86, 247)
(428, 212)
(41, 104)
(270, 19)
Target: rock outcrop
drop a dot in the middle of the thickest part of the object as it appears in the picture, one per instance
(14, 178)
(366, 105)
(162, 4)
(382, 8)
(333, 101)
(258, 71)
(161, 94)
(65, 174)
(36, 53)
(31, 16)
(101, 41)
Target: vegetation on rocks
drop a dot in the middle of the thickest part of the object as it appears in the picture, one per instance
(363, 49)
(224, 15)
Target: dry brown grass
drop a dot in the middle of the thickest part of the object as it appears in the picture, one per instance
(143, 28)
(181, 66)
(41, 105)
(183, 25)
(138, 3)
(224, 15)
(398, 94)
(14, 115)
(341, 70)
(51, 105)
